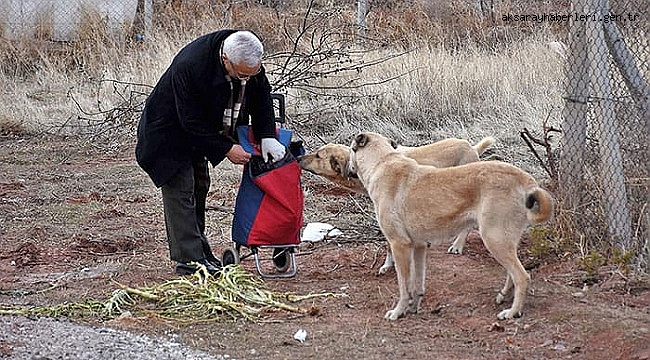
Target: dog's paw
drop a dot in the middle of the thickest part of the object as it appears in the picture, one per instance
(456, 250)
(414, 303)
(508, 314)
(393, 314)
(384, 268)
(500, 297)
(412, 309)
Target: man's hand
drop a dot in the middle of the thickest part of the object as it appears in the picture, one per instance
(272, 147)
(237, 155)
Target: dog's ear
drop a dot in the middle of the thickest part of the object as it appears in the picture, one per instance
(335, 165)
(360, 141)
(393, 144)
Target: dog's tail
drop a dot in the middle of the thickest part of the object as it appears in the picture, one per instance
(484, 144)
(539, 204)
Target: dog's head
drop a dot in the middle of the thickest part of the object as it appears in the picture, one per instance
(366, 138)
(331, 162)
(328, 160)
(365, 141)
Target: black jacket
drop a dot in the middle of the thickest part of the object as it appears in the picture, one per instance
(183, 114)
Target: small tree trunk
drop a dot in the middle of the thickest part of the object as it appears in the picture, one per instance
(143, 19)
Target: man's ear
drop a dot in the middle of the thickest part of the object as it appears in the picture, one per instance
(393, 144)
(360, 141)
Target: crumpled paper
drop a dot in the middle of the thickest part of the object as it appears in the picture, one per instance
(317, 231)
(300, 335)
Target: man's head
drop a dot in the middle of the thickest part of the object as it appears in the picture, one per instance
(242, 54)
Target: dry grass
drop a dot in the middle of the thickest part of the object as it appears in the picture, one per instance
(439, 90)
(437, 94)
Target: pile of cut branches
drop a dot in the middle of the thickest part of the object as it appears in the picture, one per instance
(234, 293)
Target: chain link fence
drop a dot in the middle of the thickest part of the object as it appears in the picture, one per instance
(604, 176)
(64, 20)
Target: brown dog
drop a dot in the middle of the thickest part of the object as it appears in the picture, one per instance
(331, 161)
(416, 204)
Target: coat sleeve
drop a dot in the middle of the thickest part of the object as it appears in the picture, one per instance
(201, 126)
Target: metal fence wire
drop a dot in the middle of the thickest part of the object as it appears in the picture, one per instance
(604, 167)
(62, 20)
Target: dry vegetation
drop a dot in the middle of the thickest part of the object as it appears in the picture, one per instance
(423, 71)
(428, 73)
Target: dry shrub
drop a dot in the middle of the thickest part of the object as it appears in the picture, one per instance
(19, 58)
(190, 18)
(457, 24)
(11, 127)
(584, 225)
(402, 26)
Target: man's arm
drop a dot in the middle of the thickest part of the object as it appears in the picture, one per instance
(260, 108)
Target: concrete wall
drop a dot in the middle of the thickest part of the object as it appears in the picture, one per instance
(60, 19)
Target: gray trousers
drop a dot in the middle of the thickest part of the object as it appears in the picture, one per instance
(184, 197)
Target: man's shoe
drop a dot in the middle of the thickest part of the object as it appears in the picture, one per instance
(188, 268)
(214, 261)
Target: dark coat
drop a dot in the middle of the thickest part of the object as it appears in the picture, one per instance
(183, 114)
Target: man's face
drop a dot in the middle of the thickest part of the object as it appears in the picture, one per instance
(240, 71)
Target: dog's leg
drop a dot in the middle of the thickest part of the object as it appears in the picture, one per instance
(459, 242)
(402, 255)
(418, 276)
(504, 250)
(506, 289)
(388, 263)
(521, 279)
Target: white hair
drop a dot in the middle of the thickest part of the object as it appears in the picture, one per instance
(243, 47)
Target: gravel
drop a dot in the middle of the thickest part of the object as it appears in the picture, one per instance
(44, 338)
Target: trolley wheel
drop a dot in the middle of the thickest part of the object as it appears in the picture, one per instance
(230, 256)
(281, 259)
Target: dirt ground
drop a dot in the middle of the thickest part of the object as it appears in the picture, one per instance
(74, 218)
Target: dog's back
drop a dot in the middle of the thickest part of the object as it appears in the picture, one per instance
(454, 198)
(447, 152)
(331, 160)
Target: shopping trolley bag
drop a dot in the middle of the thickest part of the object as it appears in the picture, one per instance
(269, 203)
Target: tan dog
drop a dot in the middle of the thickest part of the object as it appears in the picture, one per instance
(331, 161)
(416, 204)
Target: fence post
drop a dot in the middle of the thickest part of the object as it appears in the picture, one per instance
(633, 78)
(617, 211)
(143, 21)
(574, 114)
(361, 17)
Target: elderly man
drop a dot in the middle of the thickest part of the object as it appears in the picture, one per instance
(213, 84)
